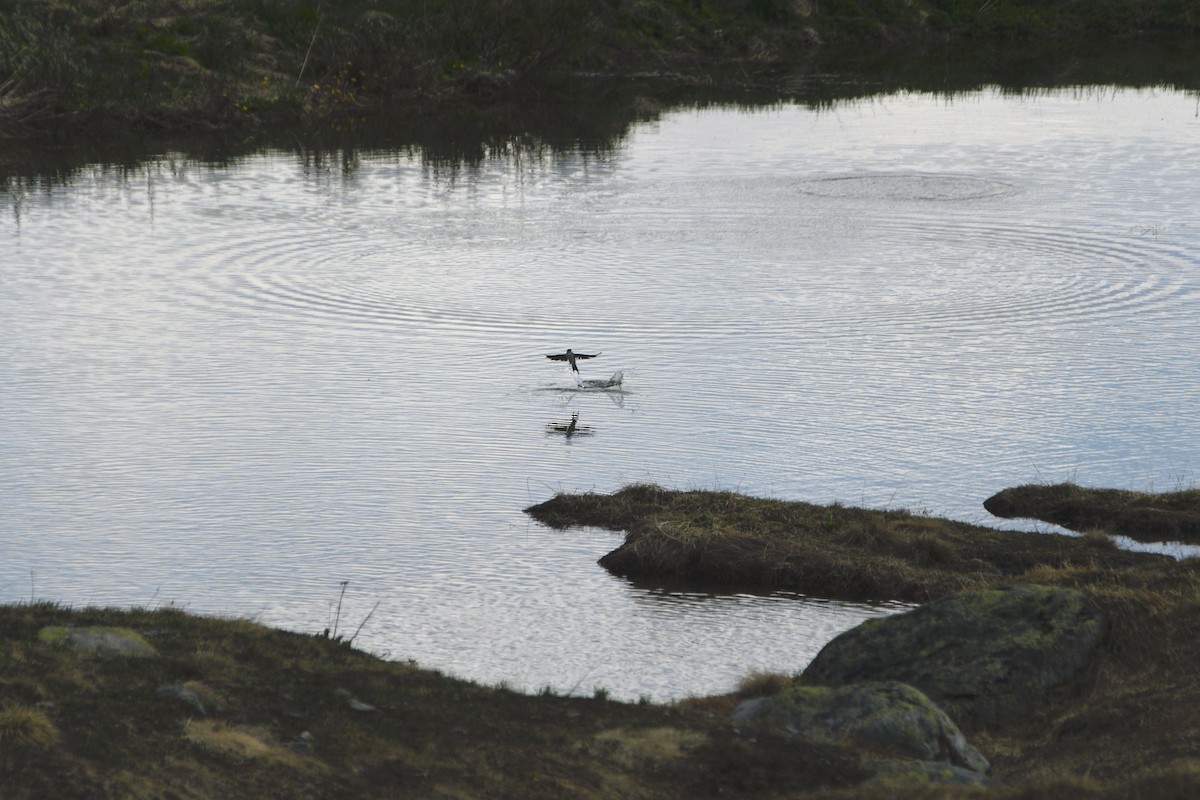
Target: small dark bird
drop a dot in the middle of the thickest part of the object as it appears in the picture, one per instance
(570, 356)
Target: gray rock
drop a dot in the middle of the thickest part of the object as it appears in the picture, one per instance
(886, 718)
(186, 696)
(354, 703)
(983, 656)
(303, 744)
(104, 640)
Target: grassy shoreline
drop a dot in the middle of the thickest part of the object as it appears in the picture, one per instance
(212, 65)
(226, 707)
(1142, 516)
(724, 538)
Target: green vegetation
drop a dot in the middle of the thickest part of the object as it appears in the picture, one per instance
(1144, 516)
(232, 709)
(205, 64)
(228, 708)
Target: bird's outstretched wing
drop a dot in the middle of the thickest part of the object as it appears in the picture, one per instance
(568, 356)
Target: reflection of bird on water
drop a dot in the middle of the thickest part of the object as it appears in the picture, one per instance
(569, 429)
(570, 357)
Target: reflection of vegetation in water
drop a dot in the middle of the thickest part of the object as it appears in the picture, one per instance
(458, 138)
(596, 122)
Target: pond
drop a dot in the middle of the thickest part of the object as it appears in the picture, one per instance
(234, 386)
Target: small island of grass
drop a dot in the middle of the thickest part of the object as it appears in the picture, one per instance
(1142, 516)
(724, 538)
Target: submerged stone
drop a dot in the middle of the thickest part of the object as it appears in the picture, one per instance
(887, 718)
(983, 656)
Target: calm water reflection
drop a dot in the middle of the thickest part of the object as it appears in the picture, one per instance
(233, 387)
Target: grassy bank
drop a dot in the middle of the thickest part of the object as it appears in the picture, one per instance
(1131, 714)
(1143, 516)
(228, 708)
(723, 538)
(205, 64)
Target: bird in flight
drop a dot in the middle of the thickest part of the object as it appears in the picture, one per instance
(570, 356)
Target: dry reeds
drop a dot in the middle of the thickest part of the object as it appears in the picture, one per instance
(758, 683)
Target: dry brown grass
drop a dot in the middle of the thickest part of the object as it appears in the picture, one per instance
(239, 743)
(26, 729)
(646, 746)
(762, 684)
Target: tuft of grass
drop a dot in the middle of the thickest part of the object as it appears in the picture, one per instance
(238, 743)
(1098, 539)
(758, 683)
(926, 547)
(874, 536)
(23, 728)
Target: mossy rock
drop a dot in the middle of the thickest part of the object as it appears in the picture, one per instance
(99, 639)
(983, 656)
(886, 718)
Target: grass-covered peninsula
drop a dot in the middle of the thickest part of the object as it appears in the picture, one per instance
(200, 65)
(725, 538)
(1142, 516)
(105, 703)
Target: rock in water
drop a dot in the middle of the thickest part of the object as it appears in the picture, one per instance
(982, 656)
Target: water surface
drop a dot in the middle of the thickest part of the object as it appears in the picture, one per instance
(232, 387)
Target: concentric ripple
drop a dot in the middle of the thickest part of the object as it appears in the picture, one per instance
(906, 186)
(235, 388)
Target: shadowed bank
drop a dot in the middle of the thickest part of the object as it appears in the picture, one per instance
(85, 65)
